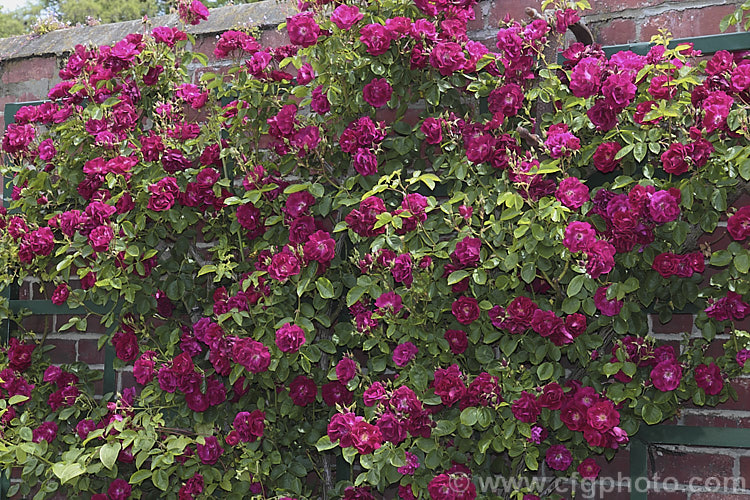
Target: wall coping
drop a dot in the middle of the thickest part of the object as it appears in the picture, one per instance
(264, 14)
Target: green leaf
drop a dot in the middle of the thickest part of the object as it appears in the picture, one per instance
(160, 479)
(324, 443)
(67, 471)
(742, 263)
(139, 476)
(639, 151)
(457, 276)
(651, 413)
(469, 416)
(325, 288)
(353, 295)
(16, 399)
(545, 371)
(108, 453)
(720, 258)
(528, 272)
(484, 354)
(208, 268)
(575, 285)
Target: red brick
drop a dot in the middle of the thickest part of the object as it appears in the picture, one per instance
(686, 23)
(616, 32)
(678, 324)
(206, 45)
(35, 68)
(126, 379)
(742, 386)
(64, 351)
(659, 493)
(94, 326)
(745, 469)
(273, 38)
(88, 352)
(37, 323)
(604, 6)
(686, 464)
(718, 496)
(716, 421)
(620, 464)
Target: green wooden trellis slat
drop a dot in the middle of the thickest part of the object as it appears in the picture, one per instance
(46, 307)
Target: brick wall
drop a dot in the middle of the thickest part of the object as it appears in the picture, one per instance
(29, 67)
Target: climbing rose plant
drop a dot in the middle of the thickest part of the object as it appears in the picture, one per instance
(382, 259)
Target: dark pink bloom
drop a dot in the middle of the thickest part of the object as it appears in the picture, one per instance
(389, 302)
(666, 375)
(457, 340)
(378, 92)
(708, 378)
(452, 486)
(290, 337)
(346, 16)
(210, 451)
(526, 408)
(283, 265)
(376, 38)
(465, 310)
(589, 469)
(572, 192)
(558, 457)
(579, 236)
(302, 29)
(61, 293)
(447, 57)
(346, 369)
(738, 224)
(119, 489)
(403, 353)
(320, 247)
(607, 307)
(302, 390)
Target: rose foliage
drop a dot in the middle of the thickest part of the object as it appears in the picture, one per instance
(383, 258)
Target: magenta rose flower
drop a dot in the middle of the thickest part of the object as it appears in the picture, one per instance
(606, 306)
(572, 192)
(210, 451)
(290, 337)
(526, 408)
(346, 16)
(283, 265)
(376, 38)
(403, 353)
(589, 469)
(458, 341)
(666, 375)
(302, 390)
(579, 236)
(432, 128)
(346, 369)
(738, 224)
(604, 157)
(708, 378)
(61, 293)
(302, 29)
(466, 310)
(99, 238)
(558, 457)
(377, 93)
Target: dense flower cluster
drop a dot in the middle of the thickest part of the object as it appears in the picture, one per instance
(332, 249)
